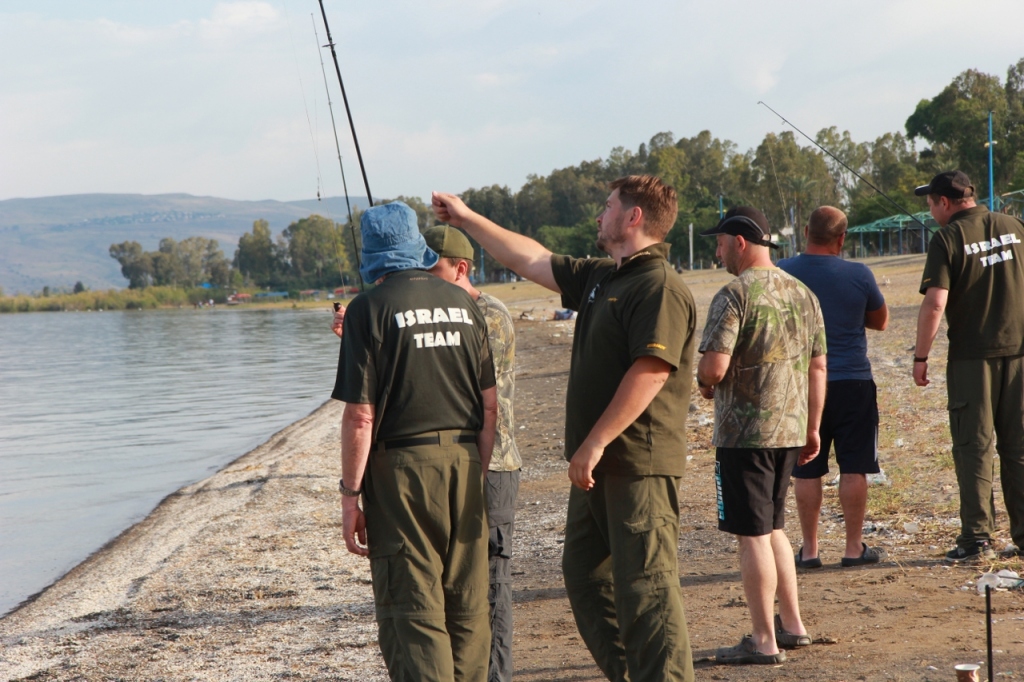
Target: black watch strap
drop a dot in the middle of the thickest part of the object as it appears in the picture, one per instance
(917, 359)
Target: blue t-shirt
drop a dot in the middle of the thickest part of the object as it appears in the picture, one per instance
(846, 292)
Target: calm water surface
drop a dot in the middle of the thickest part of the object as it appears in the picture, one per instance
(104, 414)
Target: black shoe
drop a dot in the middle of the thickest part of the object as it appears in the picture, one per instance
(979, 551)
(801, 562)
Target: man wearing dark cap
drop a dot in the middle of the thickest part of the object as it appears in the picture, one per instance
(974, 273)
(417, 378)
(764, 364)
(502, 485)
(628, 394)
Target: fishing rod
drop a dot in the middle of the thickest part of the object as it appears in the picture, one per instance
(337, 146)
(344, 97)
(840, 161)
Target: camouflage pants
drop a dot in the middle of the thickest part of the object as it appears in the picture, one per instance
(428, 556)
(622, 577)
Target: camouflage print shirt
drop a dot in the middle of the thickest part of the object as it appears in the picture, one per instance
(501, 336)
(771, 325)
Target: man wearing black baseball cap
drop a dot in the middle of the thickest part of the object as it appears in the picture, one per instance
(763, 362)
(975, 274)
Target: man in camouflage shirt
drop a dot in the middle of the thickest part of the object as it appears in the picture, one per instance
(502, 484)
(764, 364)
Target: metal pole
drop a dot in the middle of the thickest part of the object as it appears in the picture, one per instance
(344, 97)
(991, 188)
(691, 236)
(988, 628)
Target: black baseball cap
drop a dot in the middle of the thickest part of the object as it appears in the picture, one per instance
(953, 184)
(746, 222)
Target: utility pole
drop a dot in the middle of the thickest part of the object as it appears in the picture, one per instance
(991, 189)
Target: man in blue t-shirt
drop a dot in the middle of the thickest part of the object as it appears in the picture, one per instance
(850, 302)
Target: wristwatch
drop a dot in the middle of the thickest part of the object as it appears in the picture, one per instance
(917, 359)
(348, 492)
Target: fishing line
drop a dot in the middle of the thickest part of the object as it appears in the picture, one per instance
(843, 164)
(337, 146)
(344, 97)
(782, 199)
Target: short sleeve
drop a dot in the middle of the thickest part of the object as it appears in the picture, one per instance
(572, 275)
(936, 265)
(659, 325)
(819, 346)
(875, 300)
(723, 325)
(356, 381)
(486, 375)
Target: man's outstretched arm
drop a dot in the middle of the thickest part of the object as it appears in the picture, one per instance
(522, 255)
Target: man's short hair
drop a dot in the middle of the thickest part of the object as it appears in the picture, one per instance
(652, 196)
(454, 262)
(826, 225)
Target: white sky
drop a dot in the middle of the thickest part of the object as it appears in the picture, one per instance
(204, 97)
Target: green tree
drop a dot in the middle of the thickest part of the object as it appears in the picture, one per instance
(136, 265)
(316, 251)
(255, 256)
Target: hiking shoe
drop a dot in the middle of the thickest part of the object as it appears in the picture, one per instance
(870, 555)
(805, 563)
(788, 640)
(746, 653)
(1010, 552)
(979, 551)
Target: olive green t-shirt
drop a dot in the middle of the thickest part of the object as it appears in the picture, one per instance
(501, 337)
(771, 324)
(641, 309)
(979, 258)
(416, 348)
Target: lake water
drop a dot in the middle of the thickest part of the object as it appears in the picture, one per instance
(103, 414)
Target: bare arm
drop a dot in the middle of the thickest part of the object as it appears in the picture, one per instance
(711, 370)
(928, 319)
(817, 385)
(637, 389)
(356, 434)
(338, 324)
(485, 439)
(877, 319)
(522, 255)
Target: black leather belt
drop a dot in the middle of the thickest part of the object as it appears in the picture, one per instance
(420, 440)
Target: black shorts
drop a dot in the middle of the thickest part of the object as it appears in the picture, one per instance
(850, 421)
(752, 487)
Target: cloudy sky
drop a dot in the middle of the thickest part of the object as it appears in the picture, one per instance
(226, 98)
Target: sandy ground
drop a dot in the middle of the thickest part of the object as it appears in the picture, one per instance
(245, 576)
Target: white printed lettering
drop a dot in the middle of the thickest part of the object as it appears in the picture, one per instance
(465, 317)
(419, 340)
(973, 248)
(453, 338)
(1006, 239)
(439, 340)
(984, 261)
(1007, 255)
(455, 314)
(428, 340)
(400, 319)
(440, 316)
(984, 245)
(410, 319)
(423, 316)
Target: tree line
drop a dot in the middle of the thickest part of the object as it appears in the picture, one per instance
(781, 176)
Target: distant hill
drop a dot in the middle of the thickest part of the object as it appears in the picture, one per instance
(57, 241)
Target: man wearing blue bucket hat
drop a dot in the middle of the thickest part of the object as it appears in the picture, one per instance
(417, 378)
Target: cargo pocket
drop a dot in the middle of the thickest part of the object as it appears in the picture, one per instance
(959, 431)
(386, 573)
(654, 542)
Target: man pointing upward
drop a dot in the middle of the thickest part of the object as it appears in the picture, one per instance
(629, 389)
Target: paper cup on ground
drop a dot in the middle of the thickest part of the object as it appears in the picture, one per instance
(967, 672)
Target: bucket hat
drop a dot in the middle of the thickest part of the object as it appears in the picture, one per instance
(392, 242)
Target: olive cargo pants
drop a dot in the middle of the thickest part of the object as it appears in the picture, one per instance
(986, 414)
(622, 577)
(427, 535)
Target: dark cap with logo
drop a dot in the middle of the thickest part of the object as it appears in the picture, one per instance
(746, 222)
(953, 184)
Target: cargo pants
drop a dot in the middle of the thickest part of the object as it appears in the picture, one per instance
(427, 535)
(501, 491)
(622, 577)
(986, 415)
